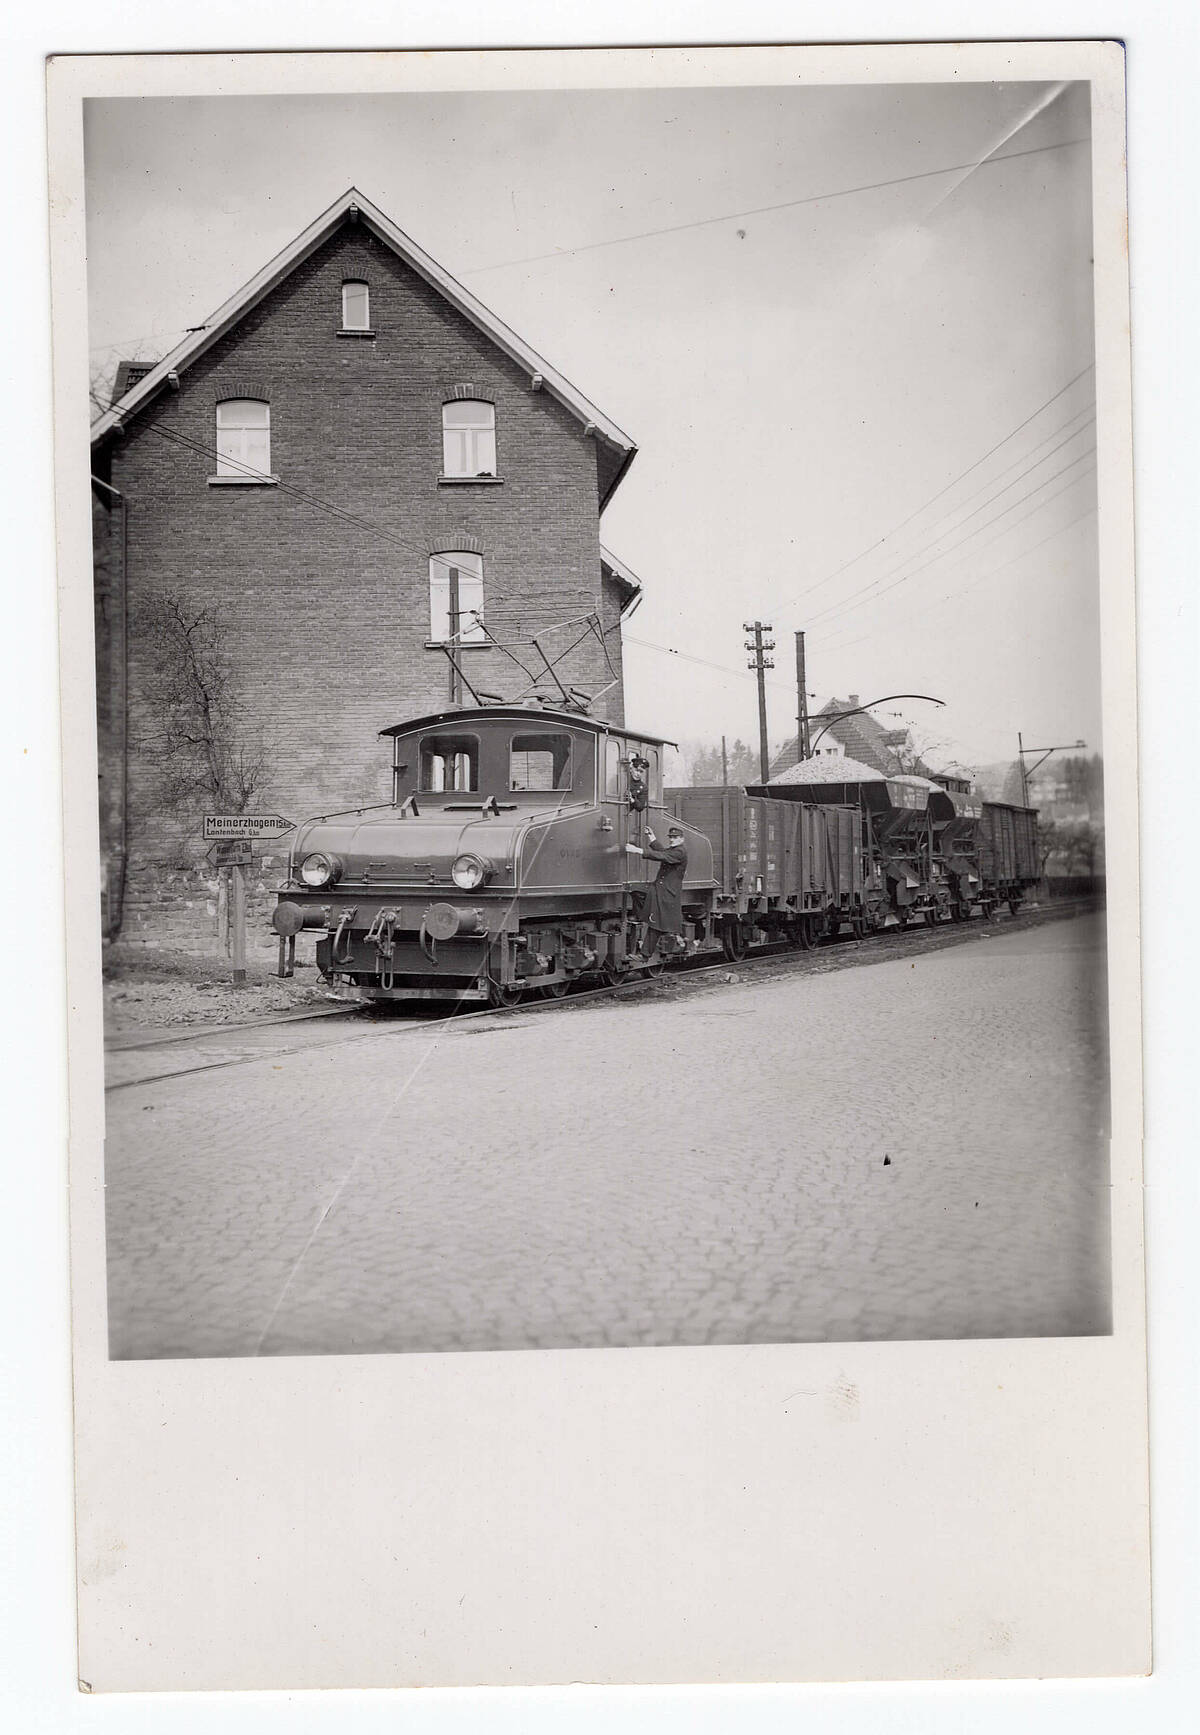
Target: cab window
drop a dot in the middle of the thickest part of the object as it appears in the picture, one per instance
(612, 767)
(653, 773)
(540, 762)
(449, 762)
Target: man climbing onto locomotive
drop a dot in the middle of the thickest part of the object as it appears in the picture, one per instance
(660, 914)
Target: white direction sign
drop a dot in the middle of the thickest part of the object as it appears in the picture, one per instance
(218, 825)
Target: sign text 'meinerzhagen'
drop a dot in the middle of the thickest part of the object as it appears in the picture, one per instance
(217, 825)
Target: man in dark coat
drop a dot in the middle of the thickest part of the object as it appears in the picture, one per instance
(662, 912)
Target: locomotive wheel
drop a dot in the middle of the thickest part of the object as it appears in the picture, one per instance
(733, 941)
(501, 994)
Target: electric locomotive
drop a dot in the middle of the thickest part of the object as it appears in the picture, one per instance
(498, 865)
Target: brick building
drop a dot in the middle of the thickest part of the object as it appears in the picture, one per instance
(287, 507)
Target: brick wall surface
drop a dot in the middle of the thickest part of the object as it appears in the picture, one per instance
(327, 619)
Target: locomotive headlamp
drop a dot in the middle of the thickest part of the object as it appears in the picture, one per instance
(469, 872)
(320, 870)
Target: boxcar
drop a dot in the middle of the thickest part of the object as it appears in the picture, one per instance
(1008, 851)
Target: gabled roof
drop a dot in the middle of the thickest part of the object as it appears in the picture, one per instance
(353, 207)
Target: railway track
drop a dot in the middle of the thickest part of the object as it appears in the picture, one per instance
(179, 1054)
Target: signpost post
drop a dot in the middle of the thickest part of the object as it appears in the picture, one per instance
(231, 835)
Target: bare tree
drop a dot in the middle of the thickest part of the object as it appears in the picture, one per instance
(196, 724)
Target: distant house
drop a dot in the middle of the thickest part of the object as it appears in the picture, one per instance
(860, 738)
(350, 465)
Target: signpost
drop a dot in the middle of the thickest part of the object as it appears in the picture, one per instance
(217, 825)
(231, 835)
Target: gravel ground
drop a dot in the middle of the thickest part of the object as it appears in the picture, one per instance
(147, 989)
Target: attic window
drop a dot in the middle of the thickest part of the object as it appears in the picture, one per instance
(356, 305)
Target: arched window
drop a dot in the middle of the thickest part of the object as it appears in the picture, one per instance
(244, 438)
(468, 438)
(456, 598)
(356, 305)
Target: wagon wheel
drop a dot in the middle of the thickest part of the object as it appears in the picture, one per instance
(612, 975)
(1014, 904)
(733, 940)
(502, 994)
(796, 936)
(557, 990)
(989, 910)
(858, 927)
(655, 966)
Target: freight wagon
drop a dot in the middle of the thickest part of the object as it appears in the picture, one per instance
(782, 870)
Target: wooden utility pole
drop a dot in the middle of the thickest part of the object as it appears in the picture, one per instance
(238, 875)
(760, 663)
(802, 746)
(724, 765)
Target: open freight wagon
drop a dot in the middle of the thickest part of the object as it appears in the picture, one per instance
(782, 869)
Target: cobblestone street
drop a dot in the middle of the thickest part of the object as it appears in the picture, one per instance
(913, 1148)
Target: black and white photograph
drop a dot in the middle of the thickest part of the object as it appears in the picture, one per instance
(601, 757)
(600, 728)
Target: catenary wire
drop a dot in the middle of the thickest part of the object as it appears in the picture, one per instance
(848, 601)
(904, 579)
(835, 608)
(838, 644)
(798, 596)
(992, 571)
(766, 210)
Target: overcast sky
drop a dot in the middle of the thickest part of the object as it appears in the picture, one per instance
(812, 379)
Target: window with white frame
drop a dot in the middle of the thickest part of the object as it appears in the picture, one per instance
(356, 305)
(244, 438)
(456, 598)
(468, 438)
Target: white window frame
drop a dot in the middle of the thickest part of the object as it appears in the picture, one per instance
(470, 597)
(244, 442)
(469, 445)
(354, 325)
